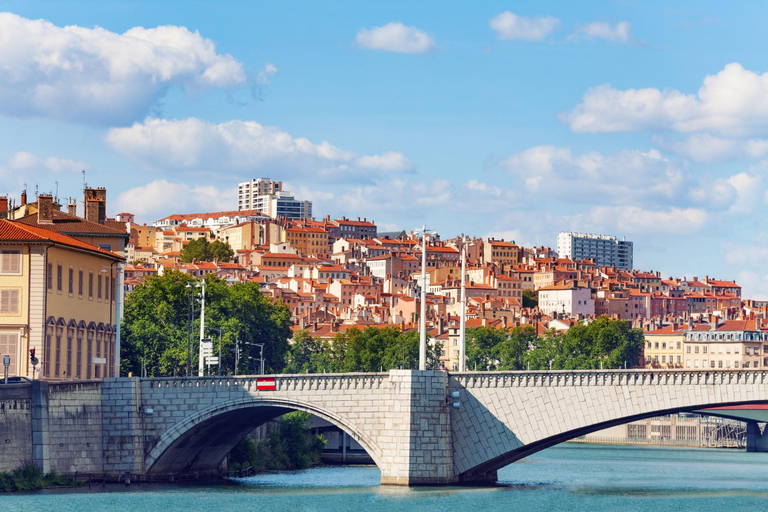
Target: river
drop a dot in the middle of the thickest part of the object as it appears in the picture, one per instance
(566, 477)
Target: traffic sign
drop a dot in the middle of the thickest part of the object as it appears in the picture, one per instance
(212, 360)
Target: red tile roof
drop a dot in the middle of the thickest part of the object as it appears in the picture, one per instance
(14, 231)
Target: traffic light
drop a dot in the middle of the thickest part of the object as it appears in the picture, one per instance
(31, 353)
(32, 358)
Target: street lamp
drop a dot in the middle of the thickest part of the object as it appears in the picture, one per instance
(219, 331)
(190, 316)
(423, 320)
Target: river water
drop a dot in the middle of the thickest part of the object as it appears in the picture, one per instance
(565, 477)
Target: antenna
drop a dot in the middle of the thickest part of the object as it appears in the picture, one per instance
(84, 185)
(56, 197)
(36, 193)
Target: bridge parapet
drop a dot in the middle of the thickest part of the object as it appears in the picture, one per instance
(567, 378)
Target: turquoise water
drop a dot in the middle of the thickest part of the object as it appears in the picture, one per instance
(566, 477)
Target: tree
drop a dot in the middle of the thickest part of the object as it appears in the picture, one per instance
(202, 250)
(154, 329)
(530, 299)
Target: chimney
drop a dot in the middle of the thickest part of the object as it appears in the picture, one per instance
(45, 209)
(23, 197)
(72, 208)
(96, 204)
(3, 204)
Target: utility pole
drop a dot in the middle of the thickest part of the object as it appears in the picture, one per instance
(200, 369)
(423, 315)
(463, 325)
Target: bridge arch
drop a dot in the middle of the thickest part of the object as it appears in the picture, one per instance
(486, 470)
(200, 442)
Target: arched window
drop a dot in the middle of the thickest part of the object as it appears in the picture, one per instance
(89, 353)
(70, 337)
(79, 360)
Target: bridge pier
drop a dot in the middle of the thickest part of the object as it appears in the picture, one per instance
(756, 442)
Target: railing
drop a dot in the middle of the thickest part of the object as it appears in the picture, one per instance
(608, 378)
(302, 382)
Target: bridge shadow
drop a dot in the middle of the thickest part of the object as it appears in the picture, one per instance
(199, 444)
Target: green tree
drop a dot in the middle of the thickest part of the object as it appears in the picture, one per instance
(481, 345)
(202, 250)
(155, 326)
(530, 299)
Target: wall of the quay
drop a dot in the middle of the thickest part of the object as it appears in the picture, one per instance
(15, 425)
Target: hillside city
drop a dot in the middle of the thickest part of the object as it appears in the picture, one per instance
(335, 274)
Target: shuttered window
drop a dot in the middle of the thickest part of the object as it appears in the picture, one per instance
(8, 347)
(9, 301)
(10, 262)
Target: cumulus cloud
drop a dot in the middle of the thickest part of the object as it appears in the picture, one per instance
(395, 37)
(95, 76)
(160, 198)
(618, 33)
(732, 102)
(244, 147)
(24, 166)
(704, 147)
(588, 177)
(510, 26)
(634, 219)
(25, 161)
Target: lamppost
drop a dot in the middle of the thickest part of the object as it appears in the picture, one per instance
(202, 329)
(219, 331)
(423, 316)
(190, 316)
(463, 320)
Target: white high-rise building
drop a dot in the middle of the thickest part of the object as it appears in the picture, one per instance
(268, 197)
(604, 250)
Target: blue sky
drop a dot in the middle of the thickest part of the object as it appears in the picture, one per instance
(512, 119)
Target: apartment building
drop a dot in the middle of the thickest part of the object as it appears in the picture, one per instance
(604, 250)
(58, 297)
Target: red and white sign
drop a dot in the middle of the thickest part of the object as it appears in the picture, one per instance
(265, 384)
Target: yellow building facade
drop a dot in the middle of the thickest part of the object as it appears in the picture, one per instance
(664, 348)
(59, 299)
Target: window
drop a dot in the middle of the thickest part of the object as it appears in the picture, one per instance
(688, 349)
(696, 349)
(58, 277)
(71, 281)
(90, 284)
(106, 289)
(49, 276)
(8, 346)
(704, 349)
(9, 301)
(80, 283)
(70, 335)
(679, 359)
(79, 353)
(57, 368)
(10, 262)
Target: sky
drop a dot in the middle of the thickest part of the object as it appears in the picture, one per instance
(646, 120)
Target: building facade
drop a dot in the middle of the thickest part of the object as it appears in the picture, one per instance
(268, 197)
(604, 250)
(58, 297)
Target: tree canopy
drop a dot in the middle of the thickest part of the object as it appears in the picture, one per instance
(202, 250)
(155, 326)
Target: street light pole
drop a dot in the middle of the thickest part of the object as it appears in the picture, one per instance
(200, 369)
(189, 328)
(463, 325)
(423, 315)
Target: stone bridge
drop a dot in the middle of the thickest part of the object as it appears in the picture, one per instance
(403, 419)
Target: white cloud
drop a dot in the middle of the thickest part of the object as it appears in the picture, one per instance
(25, 161)
(265, 74)
(244, 147)
(510, 26)
(703, 147)
(628, 175)
(618, 33)
(160, 198)
(753, 285)
(95, 76)
(633, 219)
(395, 37)
(732, 102)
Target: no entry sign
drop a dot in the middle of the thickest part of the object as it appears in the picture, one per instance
(265, 384)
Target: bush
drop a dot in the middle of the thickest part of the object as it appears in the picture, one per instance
(289, 446)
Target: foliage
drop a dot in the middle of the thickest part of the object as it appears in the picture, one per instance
(202, 250)
(155, 335)
(28, 476)
(289, 446)
(604, 342)
(353, 350)
(530, 299)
